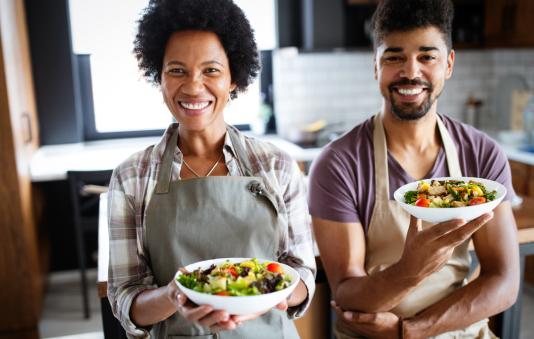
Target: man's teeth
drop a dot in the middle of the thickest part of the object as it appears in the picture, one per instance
(200, 105)
(413, 91)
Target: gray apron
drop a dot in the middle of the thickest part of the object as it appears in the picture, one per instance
(386, 235)
(212, 217)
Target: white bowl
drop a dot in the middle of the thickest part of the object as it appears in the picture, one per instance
(436, 215)
(238, 305)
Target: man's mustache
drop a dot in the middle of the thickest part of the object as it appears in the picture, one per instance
(414, 82)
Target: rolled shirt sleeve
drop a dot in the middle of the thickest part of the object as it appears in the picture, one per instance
(299, 253)
(128, 272)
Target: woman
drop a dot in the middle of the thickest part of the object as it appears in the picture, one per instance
(205, 190)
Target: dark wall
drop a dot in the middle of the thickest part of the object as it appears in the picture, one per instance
(289, 22)
(54, 72)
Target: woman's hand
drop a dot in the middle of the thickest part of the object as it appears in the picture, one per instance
(221, 320)
(203, 315)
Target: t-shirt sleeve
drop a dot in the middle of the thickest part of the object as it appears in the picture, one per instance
(331, 194)
(494, 166)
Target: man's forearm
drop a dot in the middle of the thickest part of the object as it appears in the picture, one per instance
(486, 296)
(379, 292)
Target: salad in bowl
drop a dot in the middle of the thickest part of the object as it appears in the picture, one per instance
(238, 285)
(441, 199)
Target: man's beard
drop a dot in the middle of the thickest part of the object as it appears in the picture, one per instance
(411, 111)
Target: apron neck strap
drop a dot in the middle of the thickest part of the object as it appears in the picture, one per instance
(165, 168)
(381, 160)
(164, 174)
(450, 150)
(381, 153)
(241, 154)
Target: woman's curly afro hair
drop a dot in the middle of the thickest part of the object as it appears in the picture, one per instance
(161, 18)
(405, 15)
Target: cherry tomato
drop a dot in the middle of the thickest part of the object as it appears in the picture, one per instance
(477, 201)
(233, 272)
(223, 293)
(422, 202)
(275, 268)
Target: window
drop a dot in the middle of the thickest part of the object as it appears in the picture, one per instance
(122, 99)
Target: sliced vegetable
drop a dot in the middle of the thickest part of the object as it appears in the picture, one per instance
(477, 200)
(449, 193)
(422, 202)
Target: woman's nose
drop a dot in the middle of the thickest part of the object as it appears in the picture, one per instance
(193, 84)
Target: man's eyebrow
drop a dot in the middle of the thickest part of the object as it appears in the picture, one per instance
(428, 48)
(393, 50)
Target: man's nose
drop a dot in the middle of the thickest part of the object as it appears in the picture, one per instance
(411, 69)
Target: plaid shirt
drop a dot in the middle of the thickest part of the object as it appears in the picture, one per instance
(130, 191)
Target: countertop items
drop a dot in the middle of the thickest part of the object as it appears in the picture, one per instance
(52, 162)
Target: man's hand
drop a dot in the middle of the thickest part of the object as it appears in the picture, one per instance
(370, 325)
(426, 251)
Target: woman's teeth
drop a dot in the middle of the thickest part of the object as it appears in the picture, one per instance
(196, 106)
(413, 91)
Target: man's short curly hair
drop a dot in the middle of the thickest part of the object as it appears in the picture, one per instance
(161, 18)
(405, 15)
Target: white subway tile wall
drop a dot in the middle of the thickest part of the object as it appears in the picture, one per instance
(340, 88)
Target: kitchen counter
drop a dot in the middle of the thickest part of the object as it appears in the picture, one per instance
(52, 162)
(515, 153)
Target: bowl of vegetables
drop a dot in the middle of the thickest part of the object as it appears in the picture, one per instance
(441, 199)
(239, 286)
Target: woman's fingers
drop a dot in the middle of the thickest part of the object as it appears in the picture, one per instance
(214, 318)
(195, 313)
(282, 306)
(224, 326)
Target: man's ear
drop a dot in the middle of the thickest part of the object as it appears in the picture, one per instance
(450, 64)
(375, 67)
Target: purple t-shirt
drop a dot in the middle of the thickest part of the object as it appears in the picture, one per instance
(342, 180)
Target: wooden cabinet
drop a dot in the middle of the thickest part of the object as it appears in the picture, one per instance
(523, 182)
(520, 177)
(477, 23)
(509, 23)
(20, 277)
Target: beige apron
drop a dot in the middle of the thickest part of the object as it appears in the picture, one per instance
(212, 217)
(386, 236)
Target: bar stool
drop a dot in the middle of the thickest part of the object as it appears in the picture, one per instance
(85, 189)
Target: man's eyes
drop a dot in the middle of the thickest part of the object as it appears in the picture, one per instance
(428, 57)
(393, 58)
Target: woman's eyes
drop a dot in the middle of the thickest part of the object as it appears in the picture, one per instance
(181, 71)
(176, 71)
(211, 70)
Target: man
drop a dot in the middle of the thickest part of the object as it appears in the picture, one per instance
(390, 276)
